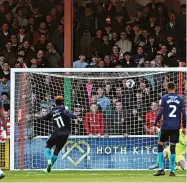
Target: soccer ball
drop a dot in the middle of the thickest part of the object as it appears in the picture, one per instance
(1, 174)
(130, 83)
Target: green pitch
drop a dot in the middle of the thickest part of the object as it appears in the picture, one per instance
(91, 176)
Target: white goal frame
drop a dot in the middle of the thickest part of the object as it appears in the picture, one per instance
(69, 70)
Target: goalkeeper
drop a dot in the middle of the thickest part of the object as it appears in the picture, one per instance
(2, 116)
(61, 120)
(180, 151)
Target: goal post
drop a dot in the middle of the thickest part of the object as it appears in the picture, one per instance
(114, 107)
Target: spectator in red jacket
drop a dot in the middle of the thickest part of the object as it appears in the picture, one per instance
(150, 118)
(94, 122)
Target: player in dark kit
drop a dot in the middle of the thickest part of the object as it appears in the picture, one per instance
(171, 109)
(61, 120)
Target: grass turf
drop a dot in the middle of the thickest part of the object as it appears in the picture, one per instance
(91, 176)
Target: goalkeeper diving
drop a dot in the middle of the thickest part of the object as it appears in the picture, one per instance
(181, 162)
(61, 120)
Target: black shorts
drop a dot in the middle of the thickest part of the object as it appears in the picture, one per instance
(171, 135)
(57, 140)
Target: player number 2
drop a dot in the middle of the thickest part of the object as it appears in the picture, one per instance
(172, 113)
(59, 121)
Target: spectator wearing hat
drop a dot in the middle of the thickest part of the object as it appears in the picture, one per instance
(124, 43)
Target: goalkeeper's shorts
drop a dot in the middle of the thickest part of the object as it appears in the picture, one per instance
(179, 157)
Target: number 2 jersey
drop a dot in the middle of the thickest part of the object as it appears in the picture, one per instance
(171, 109)
(61, 120)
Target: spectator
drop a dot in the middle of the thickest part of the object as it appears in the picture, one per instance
(4, 84)
(117, 121)
(52, 57)
(139, 55)
(150, 118)
(174, 58)
(80, 63)
(106, 46)
(10, 54)
(108, 62)
(58, 39)
(22, 35)
(77, 126)
(87, 28)
(159, 35)
(127, 61)
(96, 42)
(135, 124)
(41, 43)
(94, 122)
(4, 35)
(114, 38)
(5, 98)
(102, 101)
(118, 24)
(124, 44)
(6, 70)
(115, 55)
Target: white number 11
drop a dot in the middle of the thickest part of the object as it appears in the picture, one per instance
(59, 121)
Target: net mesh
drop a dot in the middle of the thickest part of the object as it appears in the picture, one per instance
(116, 112)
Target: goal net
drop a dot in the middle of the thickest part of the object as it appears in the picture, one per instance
(116, 112)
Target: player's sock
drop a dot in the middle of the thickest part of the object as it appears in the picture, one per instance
(53, 159)
(48, 154)
(172, 158)
(160, 157)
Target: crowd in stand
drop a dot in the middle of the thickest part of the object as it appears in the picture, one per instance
(110, 36)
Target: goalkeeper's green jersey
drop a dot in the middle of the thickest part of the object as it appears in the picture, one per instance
(181, 146)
